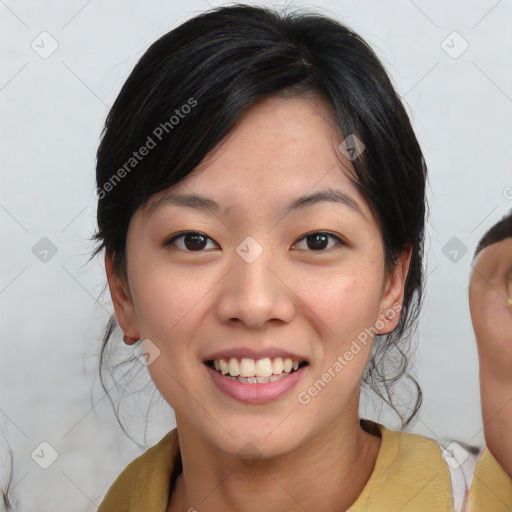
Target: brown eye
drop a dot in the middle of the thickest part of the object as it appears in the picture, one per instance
(319, 240)
(192, 241)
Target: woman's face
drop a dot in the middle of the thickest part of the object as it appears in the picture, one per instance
(246, 283)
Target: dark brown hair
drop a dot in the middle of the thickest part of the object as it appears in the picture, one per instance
(495, 234)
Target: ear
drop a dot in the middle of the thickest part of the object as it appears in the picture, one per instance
(121, 298)
(393, 293)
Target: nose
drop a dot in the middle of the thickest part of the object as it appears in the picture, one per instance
(256, 293)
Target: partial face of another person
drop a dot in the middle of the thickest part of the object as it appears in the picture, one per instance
(251, 273)
(490, 298)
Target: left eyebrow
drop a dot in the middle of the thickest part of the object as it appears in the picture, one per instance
(299, 203)
(325, 195)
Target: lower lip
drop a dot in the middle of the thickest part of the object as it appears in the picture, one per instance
(255, 393)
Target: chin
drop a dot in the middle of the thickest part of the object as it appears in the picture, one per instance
(247, 439)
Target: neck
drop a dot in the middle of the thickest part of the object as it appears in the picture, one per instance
(339, 460)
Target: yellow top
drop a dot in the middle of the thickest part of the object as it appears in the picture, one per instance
(410, 475)
(491, 487)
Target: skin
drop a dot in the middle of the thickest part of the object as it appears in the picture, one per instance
(491, 315)
(312, 302)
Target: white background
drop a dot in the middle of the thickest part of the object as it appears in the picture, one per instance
(53, 313)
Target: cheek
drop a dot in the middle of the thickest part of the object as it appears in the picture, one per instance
(485, 309)
(347, 304)
(170, 308)
(166, 298)
(482, 304)
(346, 307)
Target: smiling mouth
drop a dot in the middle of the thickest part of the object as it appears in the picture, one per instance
(250, 371)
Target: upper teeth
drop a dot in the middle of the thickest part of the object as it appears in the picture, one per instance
(246, 367)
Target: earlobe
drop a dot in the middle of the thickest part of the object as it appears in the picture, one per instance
(122, 301)
(392, 298)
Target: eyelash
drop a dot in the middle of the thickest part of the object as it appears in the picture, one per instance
(328, 234)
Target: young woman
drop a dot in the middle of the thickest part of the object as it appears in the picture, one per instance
(261, 203)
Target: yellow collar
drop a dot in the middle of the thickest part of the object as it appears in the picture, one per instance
(409, 475)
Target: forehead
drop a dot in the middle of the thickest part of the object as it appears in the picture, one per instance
(281, 149)
(496, 257)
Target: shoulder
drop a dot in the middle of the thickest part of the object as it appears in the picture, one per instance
(410, 475)
(410, 453)
(147, 475)
(491, 486)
